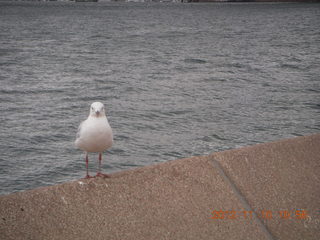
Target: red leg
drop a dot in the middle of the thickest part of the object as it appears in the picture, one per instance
(99, 174)
(87, 166)
(100, 159)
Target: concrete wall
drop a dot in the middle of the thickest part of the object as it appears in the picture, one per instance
(266, 191)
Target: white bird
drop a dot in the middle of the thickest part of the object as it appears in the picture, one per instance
(95, 134)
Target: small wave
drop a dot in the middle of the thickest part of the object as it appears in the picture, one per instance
(129, 165)
(313, 90)
(122, 137)
(115, 150)
(214, 79)
(290, 66)
(173, 154)
(178, 112)
(99, 36)
(211, 138)
(31, 91)
(313, 105)
(195, 60)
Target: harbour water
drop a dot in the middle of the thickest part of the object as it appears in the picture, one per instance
(177, 80)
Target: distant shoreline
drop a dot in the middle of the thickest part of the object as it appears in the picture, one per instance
(280, 1)
(182, 1)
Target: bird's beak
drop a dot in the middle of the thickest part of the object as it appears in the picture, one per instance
(97, 113)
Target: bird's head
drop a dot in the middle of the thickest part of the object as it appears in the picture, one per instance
(97, 110)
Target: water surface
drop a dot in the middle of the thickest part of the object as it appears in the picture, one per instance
(177, 80)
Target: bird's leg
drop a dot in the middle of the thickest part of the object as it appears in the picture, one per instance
(87, 166)
(99, 174)
(100, 159)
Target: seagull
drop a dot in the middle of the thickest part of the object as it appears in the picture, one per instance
(95, 135)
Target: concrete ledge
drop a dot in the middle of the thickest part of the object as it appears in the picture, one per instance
(280, 176)
(190, 198)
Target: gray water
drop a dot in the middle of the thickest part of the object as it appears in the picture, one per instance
(177, 80)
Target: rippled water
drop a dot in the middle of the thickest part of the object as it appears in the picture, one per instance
(177, 80)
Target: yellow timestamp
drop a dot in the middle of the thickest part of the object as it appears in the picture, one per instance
(262, 214)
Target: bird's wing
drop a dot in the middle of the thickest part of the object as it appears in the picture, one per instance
(79, 130)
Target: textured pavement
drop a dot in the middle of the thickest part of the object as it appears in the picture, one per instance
(266, 191)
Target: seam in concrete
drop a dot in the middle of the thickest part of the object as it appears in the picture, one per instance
(242, 199)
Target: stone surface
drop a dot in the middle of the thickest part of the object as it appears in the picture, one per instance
(280, 176)
(173, 200)
(177, 199)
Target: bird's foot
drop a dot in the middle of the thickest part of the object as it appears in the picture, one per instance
(103, 175)
(88, 176)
